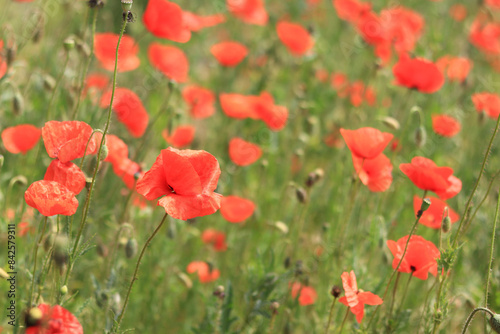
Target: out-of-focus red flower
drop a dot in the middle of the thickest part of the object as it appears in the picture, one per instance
(356, 299)
(187, 178)
(3, 62)
(182, 136)
(356, 91)
(165, 19)
(494, 4)
(426, 175)
(105, 52)
(171, 61)
(51, 198)
(239, 106)
(216, 238)
(67, 140)
(295, 37)
(249, 11)
(129, 110)
(434, 215)
(420, 257)
(372, 29)
(458, 12)
(485, 36)
(68, 174)
(488, 103)
(273, 115)
(196, 22)
(235, 209)
(375, 173)
(95, 84)
(366, 143)
(24, 228)
(200, 100)
(321, 75)
(351, 10)
(417, 73)
(55, 320)
(20, 138)
(307, 295)
(340, 83)
(243, 153)
(205, 273)
(458, 69)
(117, 149)
(445, 125)
(129, 171)
(229, 53)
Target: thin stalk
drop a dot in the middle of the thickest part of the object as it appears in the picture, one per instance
(471, 315)
(437, 321)
(59, 79)
(35, 253)
(330, 315)
(116, 327)
(344, 321)
(394, 290)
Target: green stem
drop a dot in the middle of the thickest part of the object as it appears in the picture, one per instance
(116, 327)
(330, 315)
(35, 254)
(394, 290)
(437, 321)
(471, 315)
(344, 321)
(59, 79)
(492, 250)
(83, 75)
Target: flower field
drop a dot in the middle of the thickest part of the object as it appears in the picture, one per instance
(249, 166)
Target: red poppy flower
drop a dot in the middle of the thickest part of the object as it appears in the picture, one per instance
(273, 115)
(295, 37)
(426, 175)
(182, 136)
(20, 138)
(454, 187)
(433, 216)
(68, 174)
(351, 10)
(129, 171)
(458, 69)
(196, 22)
(458, 12)
(67, 140)
(445, 125)
(420, 74)
(375, 173)
(3, 62)
(235, 209)
(105, 52)
(243, 153)
(239, 106)
(216, 238)
(487, 102)
(340, 83)
(117, 149)
(485, 36)
(24, 228)
(165, 19)
(55, 320)
(372, 29)
(249, 11)
(187, 178)
(420, 257)
(200, 100)
(205, 273)
(403, 27)
(307, 295)
(51, 198)
(356, 91)
(366, 143)
(171, 61)
(494, 4)
(95, 84)
(129, 110)
(229, 53)
(356, 299)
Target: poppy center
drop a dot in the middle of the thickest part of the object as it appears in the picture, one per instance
(412, 268)
(171, 189)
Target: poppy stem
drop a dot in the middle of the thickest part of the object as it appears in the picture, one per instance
(116, 326)
(391, 308)
(330, 315)
(83, 75)
(492, 250)
(35, 253)
(483, 167)
(471, 315)
(344, 321)
(54, 92)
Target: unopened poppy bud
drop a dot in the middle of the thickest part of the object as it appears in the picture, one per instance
(127, 5)
(131, 248)
(102, 250)
(33, 316)
(391, 123)
(218, 290)
(495, 323)
(335, 291)
(104, 152)
(420, 136)
(281, 226)
(274, 307)
(10, 55)
(185, 279)
(115, 302)
(2, 159)
(426, 203)
(264, 163)
(49, 241)
(88, 183)
(95, 3)
(301, 195)
(446, 224)
(286, 263)
(60, 253)
(63, 290)
(299, 268)
(83, 48)
(17, 103)
(49, 82)
(69, 43)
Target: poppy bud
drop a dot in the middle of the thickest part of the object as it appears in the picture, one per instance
(264, 163)
(286, 263)
(102, 250)
(495, 323)
(10, 54)
(299, 268)
(335, 291)
(95, 3)
(115, 302)
(185, 279)
(420, 136)
(281, 226)
(426, 203)
(49, 241)
(83, 48)
(127, 5)
(391, 123)
(104, 152)
(33, 316)
(69, 43)
(301, 195)
(63, 290)
(446, 224)
(17, 104)
(60, 253)
(274, 307)
(2, 159)
(39, 29)
(131, 248)
(49, 82)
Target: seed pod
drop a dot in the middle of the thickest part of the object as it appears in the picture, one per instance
(33, 316)
(335, 291)
(301, 195)
(127, 5)
(131, 248)
(69, 43)
(426, 203)
(63, 290)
